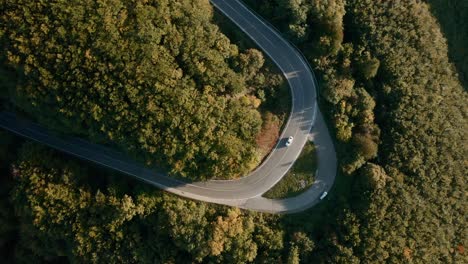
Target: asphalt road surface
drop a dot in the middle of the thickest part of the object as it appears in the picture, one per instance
(305, 123)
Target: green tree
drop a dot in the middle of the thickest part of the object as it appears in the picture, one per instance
(156, 79)
(293, 257)
(367, 66)
(62, 217)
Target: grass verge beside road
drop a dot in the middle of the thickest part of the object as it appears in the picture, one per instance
(299, 178)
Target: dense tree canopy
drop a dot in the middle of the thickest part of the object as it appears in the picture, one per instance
(156, 77)
(64, 218)
(398, 113)
(394, 99)
(423, 118)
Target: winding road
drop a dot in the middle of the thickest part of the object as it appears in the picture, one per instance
(305, 123)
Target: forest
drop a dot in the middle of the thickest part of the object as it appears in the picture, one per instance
(158, 79)
(391, 91)
(399, 114)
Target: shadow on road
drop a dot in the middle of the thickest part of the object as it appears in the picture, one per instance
(86, 150)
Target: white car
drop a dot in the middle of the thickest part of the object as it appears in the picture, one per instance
(324, 194)
(290, 139)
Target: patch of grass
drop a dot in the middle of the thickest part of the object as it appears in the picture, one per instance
(299, 178)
